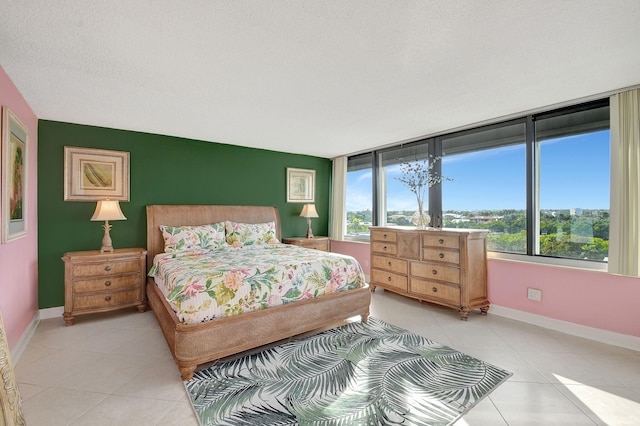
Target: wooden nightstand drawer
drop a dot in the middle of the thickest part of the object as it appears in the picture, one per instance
(106, 300)
(448, 293)
(390, 264)
(316, 243)
(389, 279)
(434, 271)
(106, 268)
(99, 282)
(106, 283)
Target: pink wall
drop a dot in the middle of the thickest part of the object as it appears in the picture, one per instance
(358, 250)
(19, 258)
(590, 298)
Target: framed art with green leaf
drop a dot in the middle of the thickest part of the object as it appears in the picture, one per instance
(95, 174)
(14, 177)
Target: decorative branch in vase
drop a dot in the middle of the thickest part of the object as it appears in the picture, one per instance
(418, 176)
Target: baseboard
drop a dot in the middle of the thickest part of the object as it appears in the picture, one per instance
(51, 312)
(603, 336)
(24, 340)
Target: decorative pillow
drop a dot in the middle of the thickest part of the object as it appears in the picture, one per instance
(250, 234)
(177, 238)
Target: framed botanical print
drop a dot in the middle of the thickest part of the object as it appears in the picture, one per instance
(301, 185)
(95, 174)
(14, 177)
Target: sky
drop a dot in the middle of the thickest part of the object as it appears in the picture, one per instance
(574, 173)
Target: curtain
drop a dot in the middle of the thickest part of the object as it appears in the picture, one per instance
(624, 226)
(338, 219)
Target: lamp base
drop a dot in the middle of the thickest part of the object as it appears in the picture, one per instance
(309, 231)
(106, 240)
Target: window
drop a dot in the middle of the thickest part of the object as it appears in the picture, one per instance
(489, 186)
(539, 184)
(572, 159)
(397, 204)
(359, 196)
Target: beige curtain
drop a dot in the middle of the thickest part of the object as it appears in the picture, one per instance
(624, 226)
(338, 219)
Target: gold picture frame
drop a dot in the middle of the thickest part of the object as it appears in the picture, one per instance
(95, 174)
(301, 185)
(14, 177)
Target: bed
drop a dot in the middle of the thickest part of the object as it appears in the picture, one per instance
(199, 343)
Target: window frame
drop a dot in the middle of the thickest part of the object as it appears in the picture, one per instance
(532, 180)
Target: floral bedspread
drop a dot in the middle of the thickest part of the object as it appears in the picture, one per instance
(202, 285)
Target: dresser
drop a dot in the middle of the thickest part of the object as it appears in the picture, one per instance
(447, 267)
(318, 243)
(99, 282)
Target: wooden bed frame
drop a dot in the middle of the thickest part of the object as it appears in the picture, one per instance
(193, 344)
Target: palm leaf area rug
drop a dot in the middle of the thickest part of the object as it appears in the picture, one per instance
(370, 373)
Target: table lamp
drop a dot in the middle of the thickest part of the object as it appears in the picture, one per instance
(309, 211)
(107, 210)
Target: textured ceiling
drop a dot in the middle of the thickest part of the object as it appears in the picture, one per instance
(323, 78)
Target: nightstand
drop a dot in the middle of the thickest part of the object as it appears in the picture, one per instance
(100, 282)
(318, 243)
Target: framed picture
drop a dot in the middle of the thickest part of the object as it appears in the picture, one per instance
(14, 177)
(301, 185)
(95, 174)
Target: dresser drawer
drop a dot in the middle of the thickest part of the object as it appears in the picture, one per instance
(387, 248)
(107, 299)
(441, 255)
(379, 235)
(439, 240)
(435, 271)
(448, 293)
(106, 268)
(107, 283)
(390, 264)
(389, 279)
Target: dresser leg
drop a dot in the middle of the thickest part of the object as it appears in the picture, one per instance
(142, 307)
(68, 319)
(464, 314)
(484, 310)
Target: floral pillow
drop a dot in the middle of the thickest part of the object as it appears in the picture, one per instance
(178, 238)
(250, 234)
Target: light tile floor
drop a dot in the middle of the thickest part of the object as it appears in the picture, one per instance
(115, 369)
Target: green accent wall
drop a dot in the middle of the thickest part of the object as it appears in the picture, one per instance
(164, 170)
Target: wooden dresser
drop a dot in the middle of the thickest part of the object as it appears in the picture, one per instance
(447, 267)
(318, 243)
(99, 282)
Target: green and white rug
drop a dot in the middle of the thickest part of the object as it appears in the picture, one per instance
(370, 373)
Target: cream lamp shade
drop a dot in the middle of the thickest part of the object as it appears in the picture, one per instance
(107, 210)
(309, 211)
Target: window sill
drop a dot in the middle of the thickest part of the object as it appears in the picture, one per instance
(550, 261)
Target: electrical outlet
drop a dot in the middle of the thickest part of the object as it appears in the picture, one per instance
(534, 294)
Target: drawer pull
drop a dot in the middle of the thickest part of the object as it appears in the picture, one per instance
(389, 264)
(434, 289)
(441, 255)
(434, 272)
(384, 248)
(384, 236)
(107, 298)
(441, 241)
(389, 279)
(107, 283)
(107, 268)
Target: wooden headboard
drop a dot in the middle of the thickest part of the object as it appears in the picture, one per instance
(177, 215)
